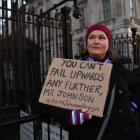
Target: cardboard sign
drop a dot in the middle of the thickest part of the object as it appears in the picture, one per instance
(75, 84)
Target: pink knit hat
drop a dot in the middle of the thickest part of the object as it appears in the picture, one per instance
(102, 28)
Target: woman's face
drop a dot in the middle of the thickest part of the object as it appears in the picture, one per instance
(97, 44)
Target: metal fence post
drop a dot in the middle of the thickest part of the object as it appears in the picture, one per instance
(134, 43)
(67, 49)
(0, 135)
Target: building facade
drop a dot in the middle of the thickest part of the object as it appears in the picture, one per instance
(118, 15)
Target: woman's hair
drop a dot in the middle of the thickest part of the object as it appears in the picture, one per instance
(110, 53)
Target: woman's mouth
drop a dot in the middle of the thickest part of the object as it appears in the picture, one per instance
(96, 47)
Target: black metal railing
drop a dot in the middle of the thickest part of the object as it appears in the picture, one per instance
(122, 45)
(15, 124)
(28, 43)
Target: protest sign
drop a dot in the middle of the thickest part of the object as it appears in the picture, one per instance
(75, 84)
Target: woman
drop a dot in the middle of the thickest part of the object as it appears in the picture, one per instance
(121, 124)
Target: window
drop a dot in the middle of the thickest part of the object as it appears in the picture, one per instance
(132, 8)
(81, 47)
(82, 18)
(106, 9)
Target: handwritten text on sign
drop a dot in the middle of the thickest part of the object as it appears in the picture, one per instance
(75, 84)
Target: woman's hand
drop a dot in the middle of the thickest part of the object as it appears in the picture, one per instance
(84, 111)
(77, 117)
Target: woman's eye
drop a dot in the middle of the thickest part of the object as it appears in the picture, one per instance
(101, 37)
(91, 37)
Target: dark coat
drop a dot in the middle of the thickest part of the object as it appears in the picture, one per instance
(122, 123)
(136, 71)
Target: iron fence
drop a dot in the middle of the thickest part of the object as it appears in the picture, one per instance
(28, 43)
(122, 45)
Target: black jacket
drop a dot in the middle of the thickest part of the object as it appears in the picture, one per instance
(136, 71)
(122, 123)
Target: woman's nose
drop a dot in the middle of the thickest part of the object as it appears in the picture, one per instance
(96, 40)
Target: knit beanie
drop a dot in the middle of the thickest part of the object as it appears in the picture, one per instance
(102, 28)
